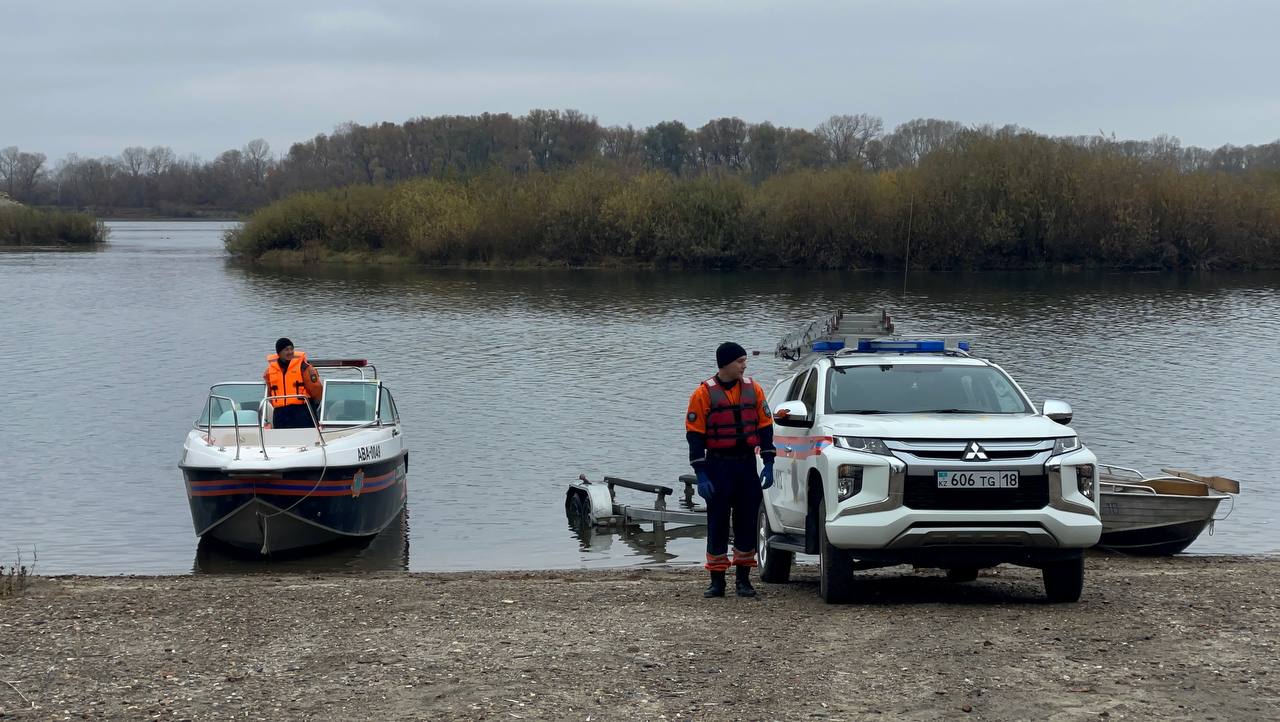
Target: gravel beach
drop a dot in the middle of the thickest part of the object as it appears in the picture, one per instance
(1177, 638)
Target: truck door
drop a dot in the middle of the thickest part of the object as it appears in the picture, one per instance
(791, 468)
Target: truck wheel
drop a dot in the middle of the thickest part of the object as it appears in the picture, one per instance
(962, 574)
(775, 564)
(1063, 581)
(835, 572)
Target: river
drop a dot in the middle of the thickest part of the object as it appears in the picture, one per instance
(511, 383)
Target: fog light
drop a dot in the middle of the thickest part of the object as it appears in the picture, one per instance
(1084, 479)
(850, 481)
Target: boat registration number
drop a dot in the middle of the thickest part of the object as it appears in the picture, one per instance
(977, 480)
(366, 453)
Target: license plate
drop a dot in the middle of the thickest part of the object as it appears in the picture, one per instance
(977, 480)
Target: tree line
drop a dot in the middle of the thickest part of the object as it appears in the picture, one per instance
(952, 199)
(542, 141)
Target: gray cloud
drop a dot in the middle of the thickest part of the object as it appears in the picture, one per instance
(92, 78)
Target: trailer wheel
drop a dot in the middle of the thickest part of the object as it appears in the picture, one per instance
(775, 564)
(577, 508)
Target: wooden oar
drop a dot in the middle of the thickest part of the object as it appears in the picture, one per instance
(1217, 483)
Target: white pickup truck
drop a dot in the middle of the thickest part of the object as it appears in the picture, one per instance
(911, 451)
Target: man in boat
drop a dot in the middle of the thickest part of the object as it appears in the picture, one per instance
(289, 374)
(727, 421)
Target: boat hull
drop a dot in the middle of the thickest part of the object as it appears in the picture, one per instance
(296, 509)
(1154, 524)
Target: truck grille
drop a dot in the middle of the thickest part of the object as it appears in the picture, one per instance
(922, 492)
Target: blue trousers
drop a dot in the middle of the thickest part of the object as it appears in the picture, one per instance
(736, 499)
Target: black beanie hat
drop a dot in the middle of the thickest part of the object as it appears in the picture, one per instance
(282, 343)
(728, 352)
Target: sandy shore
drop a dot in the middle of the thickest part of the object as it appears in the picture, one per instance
(1184, 638)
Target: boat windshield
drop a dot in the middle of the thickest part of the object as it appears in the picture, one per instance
(349, 402)
(242, 407)
(922, 389)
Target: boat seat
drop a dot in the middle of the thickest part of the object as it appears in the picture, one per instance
(347, 410)
(245, 418)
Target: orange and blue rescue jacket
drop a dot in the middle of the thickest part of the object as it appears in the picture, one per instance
(728, 421)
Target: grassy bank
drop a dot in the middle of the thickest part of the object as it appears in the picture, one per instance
(1006, 202)
(22, 226)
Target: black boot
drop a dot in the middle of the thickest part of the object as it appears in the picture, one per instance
(716, 587)
(743, 585)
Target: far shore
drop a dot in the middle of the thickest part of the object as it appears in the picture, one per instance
(1191, 637)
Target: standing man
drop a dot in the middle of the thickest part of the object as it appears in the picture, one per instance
(289, 374)
(728, 420)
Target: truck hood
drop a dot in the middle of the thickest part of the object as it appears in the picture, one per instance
(946, 426)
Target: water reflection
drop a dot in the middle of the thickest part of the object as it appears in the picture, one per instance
(388, 551)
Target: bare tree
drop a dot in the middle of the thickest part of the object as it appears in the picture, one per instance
(257, 159)
(20, 172)
(29, 172)
(134, 160)
(846, 136)
(915, 139)
(159, 159)
(9, 168)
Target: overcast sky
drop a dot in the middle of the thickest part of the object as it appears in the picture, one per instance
(93, 77)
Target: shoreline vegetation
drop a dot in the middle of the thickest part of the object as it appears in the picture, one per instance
(555, 188)
(985, 201)
(22, 226)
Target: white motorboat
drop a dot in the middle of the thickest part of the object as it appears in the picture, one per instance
(271, 490)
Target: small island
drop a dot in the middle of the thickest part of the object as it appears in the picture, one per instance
(25, 226)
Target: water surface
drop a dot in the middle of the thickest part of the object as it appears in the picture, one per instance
(510, 384)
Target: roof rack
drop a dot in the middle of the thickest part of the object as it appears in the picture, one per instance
(843, 335)
(832, 333)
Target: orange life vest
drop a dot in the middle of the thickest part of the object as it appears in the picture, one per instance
(732, 426)
(288, 383)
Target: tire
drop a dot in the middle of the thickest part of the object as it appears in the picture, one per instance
(835, 572)
(1063, 581)
(962, 574)
(775, 564)
(577, 509)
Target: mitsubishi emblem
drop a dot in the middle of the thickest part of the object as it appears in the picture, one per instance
(974, 452)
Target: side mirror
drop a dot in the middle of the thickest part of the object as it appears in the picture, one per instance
(1059, 411)
(792, 413)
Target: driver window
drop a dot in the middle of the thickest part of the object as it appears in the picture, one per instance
(810, 396)
(797, 384)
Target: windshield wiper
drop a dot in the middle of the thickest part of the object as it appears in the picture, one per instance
(864, 411)
(953, 411)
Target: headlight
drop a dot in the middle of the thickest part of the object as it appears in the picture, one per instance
(849, 482)
(859, 443)
(1065, 444)
(1084, 479)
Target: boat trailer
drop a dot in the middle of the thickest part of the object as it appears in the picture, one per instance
(596, 503)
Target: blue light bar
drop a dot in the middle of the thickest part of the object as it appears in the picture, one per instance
(828, 345)
(867, 345)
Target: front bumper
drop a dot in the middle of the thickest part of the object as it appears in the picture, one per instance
(881, 515)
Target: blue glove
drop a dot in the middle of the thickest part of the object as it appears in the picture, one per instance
(705, 489)
(766, 476)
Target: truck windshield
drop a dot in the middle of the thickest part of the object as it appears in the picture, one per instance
(922, 388)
